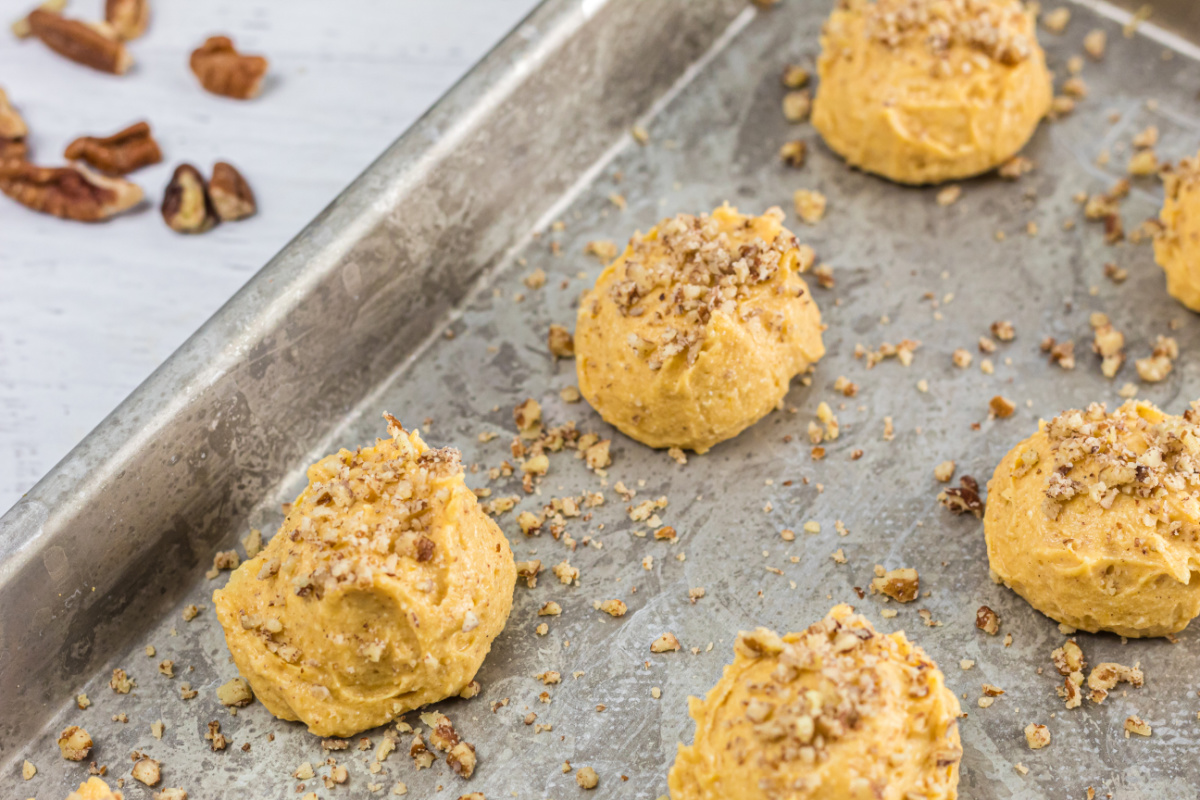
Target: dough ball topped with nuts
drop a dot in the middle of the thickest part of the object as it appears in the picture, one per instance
(695, 331)
(1095, 519)
(1177, 245)
(926, 91)
(382, 591)
(837, 712)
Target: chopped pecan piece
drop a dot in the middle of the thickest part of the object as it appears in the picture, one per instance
(216, 739)
(1068, 658)
(902, 585)
(119, 154)
(71, 192)
(462, 759)
(147, 770)
(1037, 736)
(223, 70)
(74, 743)
(1015, 167)
(614, 608)
(667, 643)
(561, 342)
(129, 18)
(587, 778)
(794, 153)
(93, 45)
(235, 693)
(963, 499)
(987, 621)
(1001, 407)
(231, 195)
(186, 205)
(1104, 678)
(1136, 725)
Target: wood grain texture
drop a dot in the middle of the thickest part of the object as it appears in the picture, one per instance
(88, 311)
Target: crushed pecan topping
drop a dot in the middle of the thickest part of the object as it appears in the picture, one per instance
(231, 195)
(223, 70)
(128, 18)
(988, 27)
(71, 192)
(119, 154)
(94, 45)
(826, 684)
(1136, 451)
(695, 267)
(186, 205)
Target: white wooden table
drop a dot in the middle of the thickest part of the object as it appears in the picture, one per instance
(88, 311)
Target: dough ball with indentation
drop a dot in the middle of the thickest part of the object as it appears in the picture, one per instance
(1177, 245)
(382, 591)
(926, 91)
(836, 712)
(1095, 519)
(695, 331)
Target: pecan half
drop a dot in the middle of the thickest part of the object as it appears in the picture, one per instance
(128, 18)
(71, 192)
(12, 130)
(223, 70)
(93, 45)
(23, 30)
(231, 195)
(186, 206)
(119, 154)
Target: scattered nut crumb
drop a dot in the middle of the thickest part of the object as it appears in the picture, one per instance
(1037, 736)
(810, 205)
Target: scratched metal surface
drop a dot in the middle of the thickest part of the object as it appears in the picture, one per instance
(891, 249)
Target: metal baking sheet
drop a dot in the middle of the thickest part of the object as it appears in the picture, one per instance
(353, 318)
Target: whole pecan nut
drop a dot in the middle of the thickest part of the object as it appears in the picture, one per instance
(231, 195)
(93, 45)
(129, 18)
(71, 192)
(223, 70)
(186, 205)
(119, 154)
(12, 130)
